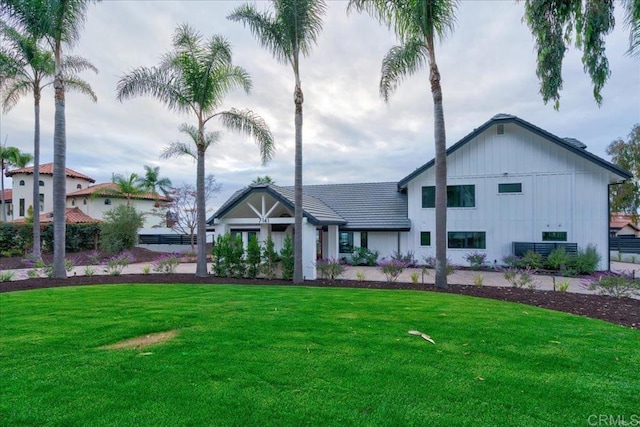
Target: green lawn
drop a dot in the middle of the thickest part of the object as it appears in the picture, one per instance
(305, 356)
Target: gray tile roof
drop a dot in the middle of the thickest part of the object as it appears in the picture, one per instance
(365, 206)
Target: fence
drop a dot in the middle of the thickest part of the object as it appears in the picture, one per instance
(164, 239)
(625, 245)
(544, 249)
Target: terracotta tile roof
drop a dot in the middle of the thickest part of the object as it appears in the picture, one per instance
(616, 223)
(73, 216)
(8, 195)
(47, 169)
(109, 189)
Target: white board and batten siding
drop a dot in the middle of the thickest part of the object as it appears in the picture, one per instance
(561, 191)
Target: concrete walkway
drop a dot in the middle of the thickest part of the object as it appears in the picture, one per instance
(460, 277)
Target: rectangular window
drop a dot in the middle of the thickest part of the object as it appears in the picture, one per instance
(458, 196)
(364, 240)
(41, 200)
(554, 236)
(345, 243)
(21, 208)
(467, 240)
(425, 238)
(513, 187)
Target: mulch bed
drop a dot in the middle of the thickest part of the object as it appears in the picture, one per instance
(622, 311)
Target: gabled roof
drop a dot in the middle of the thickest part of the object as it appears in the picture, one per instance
(570, 144)
(8, 195)
(72, 215)
(364, 206)
(619, 224)
(109, 189)
(47, 169)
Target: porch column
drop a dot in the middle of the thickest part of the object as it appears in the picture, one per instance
(332, 242)
(308, 250)
(264, 233)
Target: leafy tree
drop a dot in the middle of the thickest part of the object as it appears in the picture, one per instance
(287, 258)
(153, 183)
(183, 207)
(237, 264)
(10, 156)
(553, 23)
(417, 23)
(263, 180)
(59, 22)
(253, 257)
(194, 78)
(290, 32)
(221, 255)
(119, 231)
(626, 154)
(27, 66)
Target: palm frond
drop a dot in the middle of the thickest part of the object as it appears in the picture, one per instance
(76, 64)
(249, 123)
(301, 22)
(14, 92)
(76, 84)
(156, 82)
(400, 62)
(177, 149)
(632, 22)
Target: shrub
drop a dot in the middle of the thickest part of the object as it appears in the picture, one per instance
(146, 270)
(520, 278)
(269, 259)
(392, 268)
(364, 256)
(407, 260)
(414, 277)
(6, 276)
(117, 263)
(430, 262)
(478, 280)
(166, 264)
(221, 255)
(476, 259)
(236, 257)
(287, 259)
(89, 271)
(253, 257)
(330, 268)
(119, 231)
(558, 259)
(511, 261)
(586, 261)
(360, 276)
(615, 285)
(563, 286)
(531, 260)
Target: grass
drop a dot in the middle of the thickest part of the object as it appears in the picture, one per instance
(305, 356)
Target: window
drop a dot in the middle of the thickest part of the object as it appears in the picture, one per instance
(79, 186)
(467, 240)
(73, 202)
(513, 187)
(345, 243)
(364, 240)
(425, 238)
(554, 236)
(458, 196)
(84, 201)
(41, 183)
(21, 207)
(107, 201)
(21, 183)
(41, 202)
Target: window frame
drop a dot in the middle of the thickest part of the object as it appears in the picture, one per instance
(548, 238)
(480, 235)
(426, 234)
(345, 244)
(429, 196)
(509, 192)
(364, 239)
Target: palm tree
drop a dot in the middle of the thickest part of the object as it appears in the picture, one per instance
(26, 67)
(127, 186)
(11, 156)
(417, 23)
(263, 180)
(153, 183)
(290, 32)
(194, 78)
(59, 22)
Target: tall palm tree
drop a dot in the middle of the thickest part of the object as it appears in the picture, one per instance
(27, 67)
(194, 78)
(290, 32)
(59, 22)
(10, 156)
(417, 23)
(153, 183)
(126, 186)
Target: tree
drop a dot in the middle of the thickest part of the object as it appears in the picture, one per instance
(290, 32)
(263, 180)
(127, 186)
(59, 22)
(553, 23)
(183, 207)
(26, 66)
(11, 156)
(152, 182)
(119, 231)
(626, 154)
(417, 23)
(194, 78)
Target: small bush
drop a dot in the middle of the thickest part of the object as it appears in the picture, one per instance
(166, 264)
(520, 278)
(89, 271)
(6, 276)
(269, 259)
(253, 257)
(414, 277)
(615, 285)
(531, 260)
(221, 255)
(119, 231)
(364, 256)
(330, 268)
(563, 286)
(511, 261)
(586, 261)
(236, 257)
(392, 268)
(430, 262)
(558, 259)
(478, 280)
(476, 259)
(146, 270)
(360, 276)
(287, 258)
(117, 263)
(407, 260)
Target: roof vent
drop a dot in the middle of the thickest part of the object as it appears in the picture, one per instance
(500, 129)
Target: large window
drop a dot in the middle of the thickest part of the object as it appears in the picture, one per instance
(364, 240)
(512, 187)
(458, 196)
(21, 207)
(467, 240)
(425, 238)
(41, 200)
(554, 236)
(345, 244)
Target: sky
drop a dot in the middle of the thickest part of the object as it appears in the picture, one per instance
(350, 135)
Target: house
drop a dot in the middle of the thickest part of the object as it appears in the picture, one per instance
(508, 181)
(92, 200)
(622, 225)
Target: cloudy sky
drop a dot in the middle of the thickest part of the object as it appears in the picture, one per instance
(349, 134)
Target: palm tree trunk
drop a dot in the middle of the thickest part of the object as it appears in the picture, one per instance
(298, 277)
(201, 260)
(36, 173)
(59, 167)
(440, 170)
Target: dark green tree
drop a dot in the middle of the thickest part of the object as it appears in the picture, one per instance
(119, 230)
(287, 258)
(253, 257)
(626, 154)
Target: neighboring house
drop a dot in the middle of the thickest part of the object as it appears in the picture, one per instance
(8, 196)
(508, 181)
(623, 225)
(72, 216)
(92, 200)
